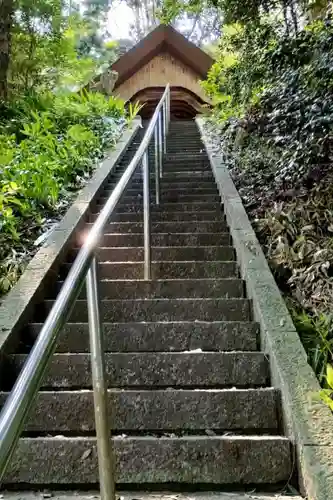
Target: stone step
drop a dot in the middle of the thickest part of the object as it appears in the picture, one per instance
(157, 336)
(181, 156)
(220, 460)
(158, 370)
(175, 136)
(193, 155)
(136, 195)
(170, 166)
(180, 129)
(170, 180)
(178, 159)
(188, 144)
(174, 192)
(169, 177)
(166, 239)
(174, 139)
(192, 146)
(166, 227)
(164, 270)
(185, 141)
(161, 310)
(174, 208)
(199, 154)
(185, 169)
(245, 410)
(170, 184)
(168, 197)
(158, 289)
(173, 162)
(203, 495)
(136, 254)
(163, 216)
(179, 136)
(183, 177)
(183, 137)
(183, 174)
(191, 150)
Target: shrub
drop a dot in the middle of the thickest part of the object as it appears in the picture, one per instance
(272, 122)
(48, 148)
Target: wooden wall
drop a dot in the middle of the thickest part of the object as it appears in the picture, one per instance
(158, 72)
(183, 103)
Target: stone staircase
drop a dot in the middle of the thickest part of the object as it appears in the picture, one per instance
(192, 405)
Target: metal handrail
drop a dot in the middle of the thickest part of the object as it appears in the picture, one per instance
(16, 409)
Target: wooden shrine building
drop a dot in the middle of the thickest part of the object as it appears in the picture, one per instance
(163, 56)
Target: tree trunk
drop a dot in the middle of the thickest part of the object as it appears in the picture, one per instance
(294, 16)
(6, 14)
(285, 16)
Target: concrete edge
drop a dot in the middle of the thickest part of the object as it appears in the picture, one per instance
(308, 421)
(17, 305)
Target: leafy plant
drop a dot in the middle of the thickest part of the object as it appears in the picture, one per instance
(327, 394)
(272, 122)
(48, 158)
(316, 333)
(133, 110)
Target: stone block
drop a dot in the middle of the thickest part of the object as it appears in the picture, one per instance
(191, 460)
(186, 369)
(164, 310)
(158, 411)
(160, 336)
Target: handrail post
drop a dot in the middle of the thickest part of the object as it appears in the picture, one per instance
(146, 217)
(166, 115)
(157, 165)
(106, 461)
(167, 110)
(160, 144)
(165, 120)
(169, 107)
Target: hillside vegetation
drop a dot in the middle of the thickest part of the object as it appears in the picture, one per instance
(51, 133)
(272, 121)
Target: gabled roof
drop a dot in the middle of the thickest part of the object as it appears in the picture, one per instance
(163, 38)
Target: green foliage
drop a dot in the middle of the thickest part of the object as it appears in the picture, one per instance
(50, 138)
(56, 45)
(47, 155)
(133, 110)
(272, 120)
(327, 394)
(241, 70)
(249, 11)
(281, 89)
(173, 8)
(44, 55)
(316, 333)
